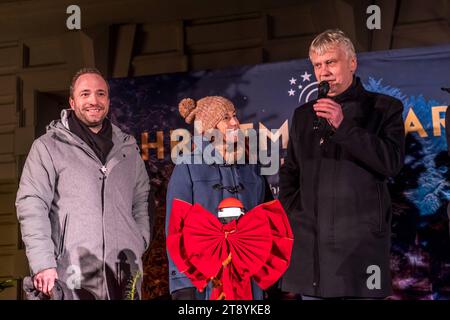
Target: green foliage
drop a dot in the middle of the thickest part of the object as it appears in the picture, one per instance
(131, 287)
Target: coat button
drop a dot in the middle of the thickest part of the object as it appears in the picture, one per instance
(314, 284)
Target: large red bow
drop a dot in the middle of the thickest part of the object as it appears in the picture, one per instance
(258, 246)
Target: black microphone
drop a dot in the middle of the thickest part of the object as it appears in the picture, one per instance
(323, 89)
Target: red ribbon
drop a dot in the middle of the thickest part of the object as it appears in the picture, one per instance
(258, 246)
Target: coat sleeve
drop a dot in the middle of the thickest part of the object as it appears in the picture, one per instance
(384, 152)
(33, 203)
(140, 210)
(289, 182)
(180, 187)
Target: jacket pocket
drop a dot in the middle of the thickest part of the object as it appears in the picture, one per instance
(62, 238)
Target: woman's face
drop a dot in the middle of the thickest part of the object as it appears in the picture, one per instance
(229, 126)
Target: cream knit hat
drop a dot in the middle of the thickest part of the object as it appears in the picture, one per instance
(209, 110)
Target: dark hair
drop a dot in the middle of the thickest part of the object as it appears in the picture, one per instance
(85, 71)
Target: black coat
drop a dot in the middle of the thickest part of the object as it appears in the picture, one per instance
(337, 198)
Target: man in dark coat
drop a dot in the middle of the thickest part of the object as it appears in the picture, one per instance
(341, 151)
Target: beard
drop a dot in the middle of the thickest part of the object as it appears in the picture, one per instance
(92, 115)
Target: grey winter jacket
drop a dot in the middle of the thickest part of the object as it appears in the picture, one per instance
(89, 221)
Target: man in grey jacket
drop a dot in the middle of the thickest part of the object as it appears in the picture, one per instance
(82, 202)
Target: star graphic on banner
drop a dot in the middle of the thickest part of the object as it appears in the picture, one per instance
(293, 81)
(306, 76)
(291, 92)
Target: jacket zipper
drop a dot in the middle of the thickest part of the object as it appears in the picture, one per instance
(104, 170)
(104, 173)
(316, 264)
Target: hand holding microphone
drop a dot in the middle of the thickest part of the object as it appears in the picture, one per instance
(326, 108)
(323, 89)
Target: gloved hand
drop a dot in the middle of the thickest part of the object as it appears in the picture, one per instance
(184, 294)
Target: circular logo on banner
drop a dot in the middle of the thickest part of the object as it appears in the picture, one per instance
(303, 88)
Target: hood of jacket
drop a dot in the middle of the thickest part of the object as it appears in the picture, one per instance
(60, 129)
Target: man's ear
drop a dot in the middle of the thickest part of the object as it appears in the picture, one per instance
(71, 102)
(353, 64)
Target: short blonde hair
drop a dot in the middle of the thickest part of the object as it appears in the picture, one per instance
(330, 38)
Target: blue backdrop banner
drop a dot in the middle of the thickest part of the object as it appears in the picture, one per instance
(266, 96)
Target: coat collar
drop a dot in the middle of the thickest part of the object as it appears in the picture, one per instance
(352, 93)
(61, 128)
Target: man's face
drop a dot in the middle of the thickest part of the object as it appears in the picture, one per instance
(90, 99)
(335, 67)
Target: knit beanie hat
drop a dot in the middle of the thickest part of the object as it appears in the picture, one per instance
(209, 110)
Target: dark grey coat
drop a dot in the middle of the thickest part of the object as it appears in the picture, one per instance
(337, 198)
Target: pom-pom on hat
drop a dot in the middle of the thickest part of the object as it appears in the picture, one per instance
(209, 110)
